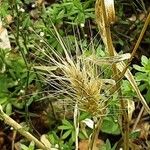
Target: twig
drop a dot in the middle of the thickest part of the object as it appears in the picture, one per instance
(76, 125)
(95, 134)
(13, 140)
(138, 118)
(8, 120)
(136, 45)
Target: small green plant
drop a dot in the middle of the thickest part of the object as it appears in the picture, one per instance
(107, 146)
(71, 11)
(59, 143)
(68, 127)
(4, 7)
(68, 130)
(143, 76)
(114, 128)
(30, 147)
(127, 89)
(13, 80)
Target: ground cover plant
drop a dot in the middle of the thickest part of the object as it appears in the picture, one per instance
(74, 75)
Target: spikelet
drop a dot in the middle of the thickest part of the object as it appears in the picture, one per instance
(84, 84)
(78, 80)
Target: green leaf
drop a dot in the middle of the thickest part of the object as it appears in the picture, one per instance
(67, 123)
(78, 4)
(51, 138)
(147, 96)
(108, 145)
(31, 146)
(66, 134)
(142, 69)
(141, 76)
(9, 109)
(55, 135)
(80, 18)
(114, 147)
(73, 135)
(64, 127)
(83, 135)
(26, 22)
(17, 104)
(30, 100)
(3, 100)
(110, 126)
(144, 60)
(83, 116)
(135, 135)
(61, 14)
(143, 86)
(23, 147)
(4, 9)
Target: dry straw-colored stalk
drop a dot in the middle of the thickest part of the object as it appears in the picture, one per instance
(104, 21)
(105, 15)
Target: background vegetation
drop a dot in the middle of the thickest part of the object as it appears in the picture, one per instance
(34, 96)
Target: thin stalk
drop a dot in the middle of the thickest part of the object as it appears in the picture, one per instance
(76, 125)
(17, 39)
(95, 134)
(13, 140)
(138, 118)
(110, 48)
(136, 45)
(17, 34)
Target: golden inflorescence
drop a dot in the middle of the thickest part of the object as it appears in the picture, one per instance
(85, 85)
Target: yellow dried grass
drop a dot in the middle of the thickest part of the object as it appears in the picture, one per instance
(85, 85)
